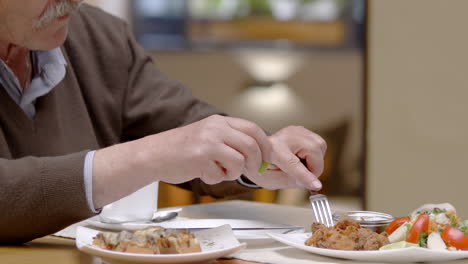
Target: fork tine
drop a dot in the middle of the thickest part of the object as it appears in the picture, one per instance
(316, 206)
(321, 208)
(320, 212)
(326, 212)
(315, 209)
(329, 213)
(321, 202)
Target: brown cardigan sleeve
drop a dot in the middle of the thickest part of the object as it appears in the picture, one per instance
(154, 103)
(41, 195)
(31, 205)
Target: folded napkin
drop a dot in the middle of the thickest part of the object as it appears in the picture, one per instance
(70, 231)
(138, 206)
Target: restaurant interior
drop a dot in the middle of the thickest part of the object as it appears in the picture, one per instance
(277, 63)
(384, 82)
(385, 93)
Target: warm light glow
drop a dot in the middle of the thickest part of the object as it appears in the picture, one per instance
(270, 104)
(271, 101)
(270, 66)
(276, 96)
(284, 9)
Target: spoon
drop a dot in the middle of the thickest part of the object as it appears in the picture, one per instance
(164, 216)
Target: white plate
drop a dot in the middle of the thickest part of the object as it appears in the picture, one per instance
(96, 221)
(130, 226)
(413, 254)
(201, 223)
(215, 243)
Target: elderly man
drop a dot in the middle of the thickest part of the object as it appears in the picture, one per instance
(86, 118)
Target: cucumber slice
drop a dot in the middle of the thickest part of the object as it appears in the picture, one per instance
(263, 167)
(401, 244)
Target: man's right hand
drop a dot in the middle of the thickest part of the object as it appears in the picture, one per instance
(214, 149)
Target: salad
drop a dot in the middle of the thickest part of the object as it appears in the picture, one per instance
(433, 226)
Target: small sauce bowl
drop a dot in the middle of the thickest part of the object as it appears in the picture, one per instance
(375, 221)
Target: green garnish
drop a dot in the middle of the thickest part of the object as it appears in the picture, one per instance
(453, 219)
(464, 227)
(438, 210)
(263, 167)
(422, 241)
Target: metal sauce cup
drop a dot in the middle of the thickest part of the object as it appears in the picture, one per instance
(375, 221)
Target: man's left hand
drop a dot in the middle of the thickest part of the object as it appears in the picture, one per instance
(291, 145)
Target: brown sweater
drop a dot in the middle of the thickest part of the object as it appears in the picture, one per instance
(112, 93)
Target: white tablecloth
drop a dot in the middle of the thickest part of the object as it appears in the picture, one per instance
(267, 250)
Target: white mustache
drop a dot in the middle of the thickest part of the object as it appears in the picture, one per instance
(55, 11)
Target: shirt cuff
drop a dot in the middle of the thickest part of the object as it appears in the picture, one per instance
(88, 181)
(244, 181)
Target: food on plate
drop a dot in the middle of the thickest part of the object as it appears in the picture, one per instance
(395, 224)
(154, 240)
(454, 237)
(433, 226)
(434, 241)
(419, 228)
(401, 244)
(375, 221)
(400, 233)
(347, 234)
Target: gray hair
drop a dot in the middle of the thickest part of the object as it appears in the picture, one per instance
(56, 10)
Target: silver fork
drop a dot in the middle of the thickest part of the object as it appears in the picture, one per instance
(321, 209)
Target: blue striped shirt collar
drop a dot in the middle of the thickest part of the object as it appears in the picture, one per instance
(49, 70)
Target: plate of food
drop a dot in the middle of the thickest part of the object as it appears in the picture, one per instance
(158, 217)
(158, 244)
(243, 229)
(431, 233)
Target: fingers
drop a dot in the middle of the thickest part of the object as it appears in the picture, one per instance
(294, 143)
(314, 161)
(228, 165)
(254, 131)
(231, 162)
(291, 165)
(212, 173)
(320, 142)
(276, 179)
(247, 146)
(298, 137)
(232, 146)
(315, 164)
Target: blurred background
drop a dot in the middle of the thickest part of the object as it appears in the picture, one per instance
(275, 62)
(384, 82)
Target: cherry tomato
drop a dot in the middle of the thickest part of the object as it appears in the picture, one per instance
(395, 224)
(454, 237)
(420, 225)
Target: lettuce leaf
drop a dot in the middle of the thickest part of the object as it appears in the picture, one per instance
(464, 227)
(422, 241)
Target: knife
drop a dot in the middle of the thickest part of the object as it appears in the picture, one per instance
(248, 228)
